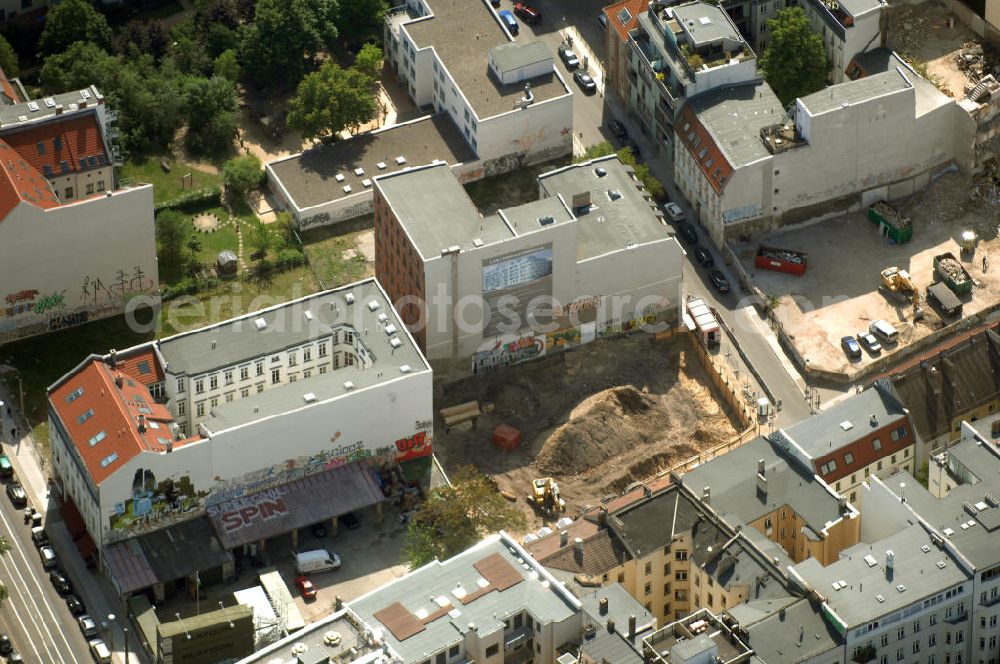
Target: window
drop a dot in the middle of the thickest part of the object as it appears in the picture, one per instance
(101, 435)
(213, 382)
(244, 373)
(492, 650)
(893, 458)
(90, 188)
(621, 577)
(260, 368)
(648, 589)
(260, 387)
(100, 185)
(214, 401)
(292, 378)
(228, 377)
(681, 555)
(86, 416)
(108, 460)
(307, 373)
(307, 354)
(876, 444)
(680, 575)
(292, 360)
(828, 467)
(199, 386)
(440, 658)
(901, 633)
(230, 396)
(244, 392)
(275, 376)
(848, 459)
(649, 568)
(323, 369)
(199, 409)
(322, 350)
(767, 522)
(181, 407)
(180, 386)
(453, 651)
(898, 434)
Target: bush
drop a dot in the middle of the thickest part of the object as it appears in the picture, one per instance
(191, 201)
(289, 258)
(186, 286)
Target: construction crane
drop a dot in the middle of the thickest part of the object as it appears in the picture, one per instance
(545, 495)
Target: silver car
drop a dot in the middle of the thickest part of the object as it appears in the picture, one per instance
(87, 625)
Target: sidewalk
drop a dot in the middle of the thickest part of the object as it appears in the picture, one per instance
(90, 585)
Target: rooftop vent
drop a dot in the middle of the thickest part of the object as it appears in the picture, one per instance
(260, 323)
(32, 106)
(990, 500)
(546, 221)
(870, 560)
(359, 171)
(967, 506)
(309, 397)
(395, 342)
(477, 242)
(373, 305)
(400, 160)
(349, 298)
(347, 188)
(382, 317)
(309, 315)
(405, 369)
(85, 94)
(846, 425)
(900, 587)
(348, 386)
(880, 598)
(381, 165)
(50, 102)
(948, 532)
(390, 329)
(22, 118)
(614, 194)
(925, 548)
(600, 172)
(940, 564)
(366, 183)
(339, 177)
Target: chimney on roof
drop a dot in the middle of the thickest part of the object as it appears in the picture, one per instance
(873, 420)
(842, 504)
(602, 606)
(611, 625)
(578, 550)
(890, 559)
(706, 495)
(761, 479)
(602, 517)
(631, 627)
(170, 446)
(82, 103)
(563, 538)
(760, 466)
(142, 424)
(114, 358)
(59, 109)
(213, 344)
(119, 381)
(646, 491)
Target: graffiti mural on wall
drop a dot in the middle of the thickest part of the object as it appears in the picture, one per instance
(413, 447)
(153, 504)
(504, 353)
(250, 510)
(125, 282)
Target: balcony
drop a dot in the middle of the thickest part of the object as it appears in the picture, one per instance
(781, 138)
(833, 15)
(397, 16)
(989, 601)
(864, 654)
(651, 63)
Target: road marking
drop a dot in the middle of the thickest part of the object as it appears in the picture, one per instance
(31, 572)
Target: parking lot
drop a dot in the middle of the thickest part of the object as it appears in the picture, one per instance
(839, 294)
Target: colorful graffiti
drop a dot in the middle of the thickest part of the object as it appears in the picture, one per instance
(251, 510)
(413, 447)
(154, 504)
(506, 353)
(27, 301)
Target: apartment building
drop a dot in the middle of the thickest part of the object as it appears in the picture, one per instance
(746, 166)
(183, 429)
(677, 52)
(621, 18)
(478, 289)
(848, 28)
(867, 434)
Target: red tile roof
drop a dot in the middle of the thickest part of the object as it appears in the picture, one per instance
(101, 409)
(20, 182)
(142, 365)
(634, 7)
(696, 138)
(8, 89)
(59, 143)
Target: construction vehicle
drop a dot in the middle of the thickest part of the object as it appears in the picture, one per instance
(897, 280)
(545, 495)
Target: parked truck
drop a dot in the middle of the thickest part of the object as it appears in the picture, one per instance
(781, 260)
(953, 274)
(890, 222)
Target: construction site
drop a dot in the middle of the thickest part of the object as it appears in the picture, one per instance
(850, 281)
(594, 419)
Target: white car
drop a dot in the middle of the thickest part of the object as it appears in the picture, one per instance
(48, 555)
(87, 625)
(674, 211)
(100, 651)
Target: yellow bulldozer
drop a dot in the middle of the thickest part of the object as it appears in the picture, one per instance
(545, 495)
(897, 280)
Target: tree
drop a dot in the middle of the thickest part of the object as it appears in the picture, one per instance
(217, 12)
(261, 241)
(8, 58)
(80, 65)
(455, 517)
(794, 63)
(142, 37)
(227, 65)
(283, 34)
(369, 61)
(211, 114)
(361, 20)
(73, 21)
(172, 231)
(331, 100)
(188, 51)
(241, 174)
(627, 157)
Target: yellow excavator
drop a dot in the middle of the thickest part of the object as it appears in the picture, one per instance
(545, 495)
(897, 280)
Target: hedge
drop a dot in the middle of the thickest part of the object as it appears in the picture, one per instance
(192, 201)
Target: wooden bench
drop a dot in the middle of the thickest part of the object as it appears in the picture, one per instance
(460, 414)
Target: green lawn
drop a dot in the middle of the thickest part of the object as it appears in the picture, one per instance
(325, 249)
(167, 185)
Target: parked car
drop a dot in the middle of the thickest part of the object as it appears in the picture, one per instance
(306, 587)
(6, 647)
(528, 14)
(619, 130)
(350, 521)
(869, 342)
(852, 349)
(719, 281)
(508, 20)
(99, 651)
(688, 232)
(674, 211)
(16, 494)
(48, 555)
(569, 58)
(75, 606)
(704, 256)
(6, 470)
(318, 530)
(15, 658)
(495, 3)
(60, 582)
(87, 625)
(585, 82)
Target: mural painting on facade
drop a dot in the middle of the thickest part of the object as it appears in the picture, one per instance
(153, 504)
(250, 510)
(504, 353)
(413, 447)
(30, 306)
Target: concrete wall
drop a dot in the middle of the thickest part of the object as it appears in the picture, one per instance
(538, 133)
(75, 262)
(714, 77)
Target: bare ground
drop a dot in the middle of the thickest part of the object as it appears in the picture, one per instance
(596, 418)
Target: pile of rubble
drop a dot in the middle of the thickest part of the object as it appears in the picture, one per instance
(909, 25)
(953, 269)
(975, 61)
(972, 202)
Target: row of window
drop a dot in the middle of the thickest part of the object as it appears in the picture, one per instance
(245, 391)
(259, 366)
(897, 435)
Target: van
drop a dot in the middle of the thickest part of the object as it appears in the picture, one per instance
(881, 329)
(319, 560)
(508, 20)
(38, 536)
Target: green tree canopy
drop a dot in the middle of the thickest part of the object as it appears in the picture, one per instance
(172, 232)
(369, 61)
(227, 65)
(142, 37)
(455, 517)
(274, 47)
(361, 20)
(211, 114)
(8, 58)
(73, 21)
(794, 63)
(241, 174)
(331, 100)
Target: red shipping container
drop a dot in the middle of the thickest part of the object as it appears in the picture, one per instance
(781, 260)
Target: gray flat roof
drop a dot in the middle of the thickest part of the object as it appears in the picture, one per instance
(436, 212)
(705, 23)
(732, 478)
(418, 591)
(287, 325)
(45, 107)
(822, 433)
(526, 217)
(514, 55)
(462, 33)
(855, 92)
(734, 116)
(797, 636)
(621, 605)
(314, 636)
(858, 7)
(918, 572)
(310, 176)
(609, 225)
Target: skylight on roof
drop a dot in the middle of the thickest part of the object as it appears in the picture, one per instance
(981, 505)
(870, 560)
(704, 20)
(74, 395)
(846, 425)
(86, 416)
(144, 367)
(101, 435)
(260, 323)
(108, 460)
(624, 16)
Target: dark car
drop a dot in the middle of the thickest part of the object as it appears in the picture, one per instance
(60, 583)
(495, 3)
(851, 347)
(704, 256)
(16, 494)
(688, 232)
(569, 58)
(529, 15)
(350, 521)
(585, 82)
(719, 281)
(6, 647)
(75, 606)
(869, 342)
(318, 529)
(618, 129)
(6, 469)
